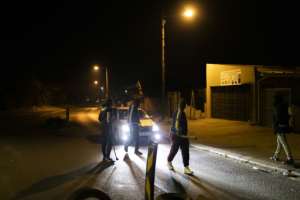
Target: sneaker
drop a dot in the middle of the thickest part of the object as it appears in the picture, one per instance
(170, 166)
(104, 159)
(188, 171)
(137, 152)
(126, 149)
(274, 158)
(289, 161)
(110, 160)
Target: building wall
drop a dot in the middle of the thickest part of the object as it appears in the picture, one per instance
(213, 78)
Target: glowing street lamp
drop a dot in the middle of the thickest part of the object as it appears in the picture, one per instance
(189, 13)
(96, 82)
(96, 68)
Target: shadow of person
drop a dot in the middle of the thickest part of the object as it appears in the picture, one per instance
(180, 194)
(135, 170)
(54, 181)
(209, 188)
(297, 164)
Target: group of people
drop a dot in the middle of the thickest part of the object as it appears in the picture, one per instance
(107, 117)
(178, 133)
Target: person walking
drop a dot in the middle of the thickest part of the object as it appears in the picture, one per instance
(179, 130)
(134, 124)
(281, 127)
(106, 117)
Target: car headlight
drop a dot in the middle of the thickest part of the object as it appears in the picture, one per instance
(125, 128)
(125, 137)
(157, 136)
(155, 128)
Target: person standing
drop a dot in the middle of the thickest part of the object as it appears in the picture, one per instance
(106, 119)
(134, 124)
(179, 130)
(281, 128)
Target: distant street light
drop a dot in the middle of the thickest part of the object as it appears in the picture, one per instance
(189, 12)
(96, 82)
(96, 68)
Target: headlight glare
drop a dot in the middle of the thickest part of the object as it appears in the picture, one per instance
(125, 128)
(155, 128)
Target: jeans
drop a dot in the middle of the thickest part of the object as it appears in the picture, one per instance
(282, 143)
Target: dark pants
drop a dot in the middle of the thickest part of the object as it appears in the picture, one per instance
(106, 142)
(134, 137)
(184, 144)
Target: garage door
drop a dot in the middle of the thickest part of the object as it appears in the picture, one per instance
(231, 102)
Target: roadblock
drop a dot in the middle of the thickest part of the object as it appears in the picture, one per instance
(150, 171)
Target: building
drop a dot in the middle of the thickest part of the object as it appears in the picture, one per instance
(245, 92)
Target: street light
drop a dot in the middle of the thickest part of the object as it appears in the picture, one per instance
(96, 83)
(189, 13)
(96, 69)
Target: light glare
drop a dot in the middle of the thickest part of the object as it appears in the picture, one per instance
(125, 128)
(157, 136)
(155, 128)
(96, 67)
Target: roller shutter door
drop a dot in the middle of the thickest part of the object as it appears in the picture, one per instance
(231, 102)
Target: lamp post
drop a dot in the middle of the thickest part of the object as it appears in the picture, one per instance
(96, 69)
(188, 13)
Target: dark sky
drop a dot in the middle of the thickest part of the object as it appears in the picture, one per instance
(57, 42)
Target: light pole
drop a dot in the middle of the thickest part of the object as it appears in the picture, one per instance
(188, 13)
(163, 63)
(96, 69)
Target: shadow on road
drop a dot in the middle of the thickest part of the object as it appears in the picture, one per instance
(208, 188)
(297, 164)
(94, 139)
(135, 170)
(54, 181)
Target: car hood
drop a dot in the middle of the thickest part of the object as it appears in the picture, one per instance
(146, 122)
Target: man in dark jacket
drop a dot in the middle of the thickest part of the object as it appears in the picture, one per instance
(179, 138)
(281, 128)
(106, 118)
(134, 124)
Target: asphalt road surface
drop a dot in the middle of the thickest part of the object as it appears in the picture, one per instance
(54, 166)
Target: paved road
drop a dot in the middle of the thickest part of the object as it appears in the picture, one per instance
(53, 166)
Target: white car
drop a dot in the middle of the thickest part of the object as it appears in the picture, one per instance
(148, 128)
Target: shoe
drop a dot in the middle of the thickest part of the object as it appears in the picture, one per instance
(104, 159)
(289, 161)
(126, 149)
(170, 166)
(110, 160)
(188, 171)
(137, 152)
(274, 158)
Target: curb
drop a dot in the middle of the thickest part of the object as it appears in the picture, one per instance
(249, 160)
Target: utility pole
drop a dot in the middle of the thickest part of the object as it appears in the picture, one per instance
(163, 64)
(106, 84)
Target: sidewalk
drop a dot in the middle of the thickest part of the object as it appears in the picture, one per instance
(243, 142)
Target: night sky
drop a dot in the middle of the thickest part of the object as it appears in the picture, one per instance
(58, 42)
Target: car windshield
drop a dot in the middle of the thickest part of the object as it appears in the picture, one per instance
(143, 114)
(123, 114)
